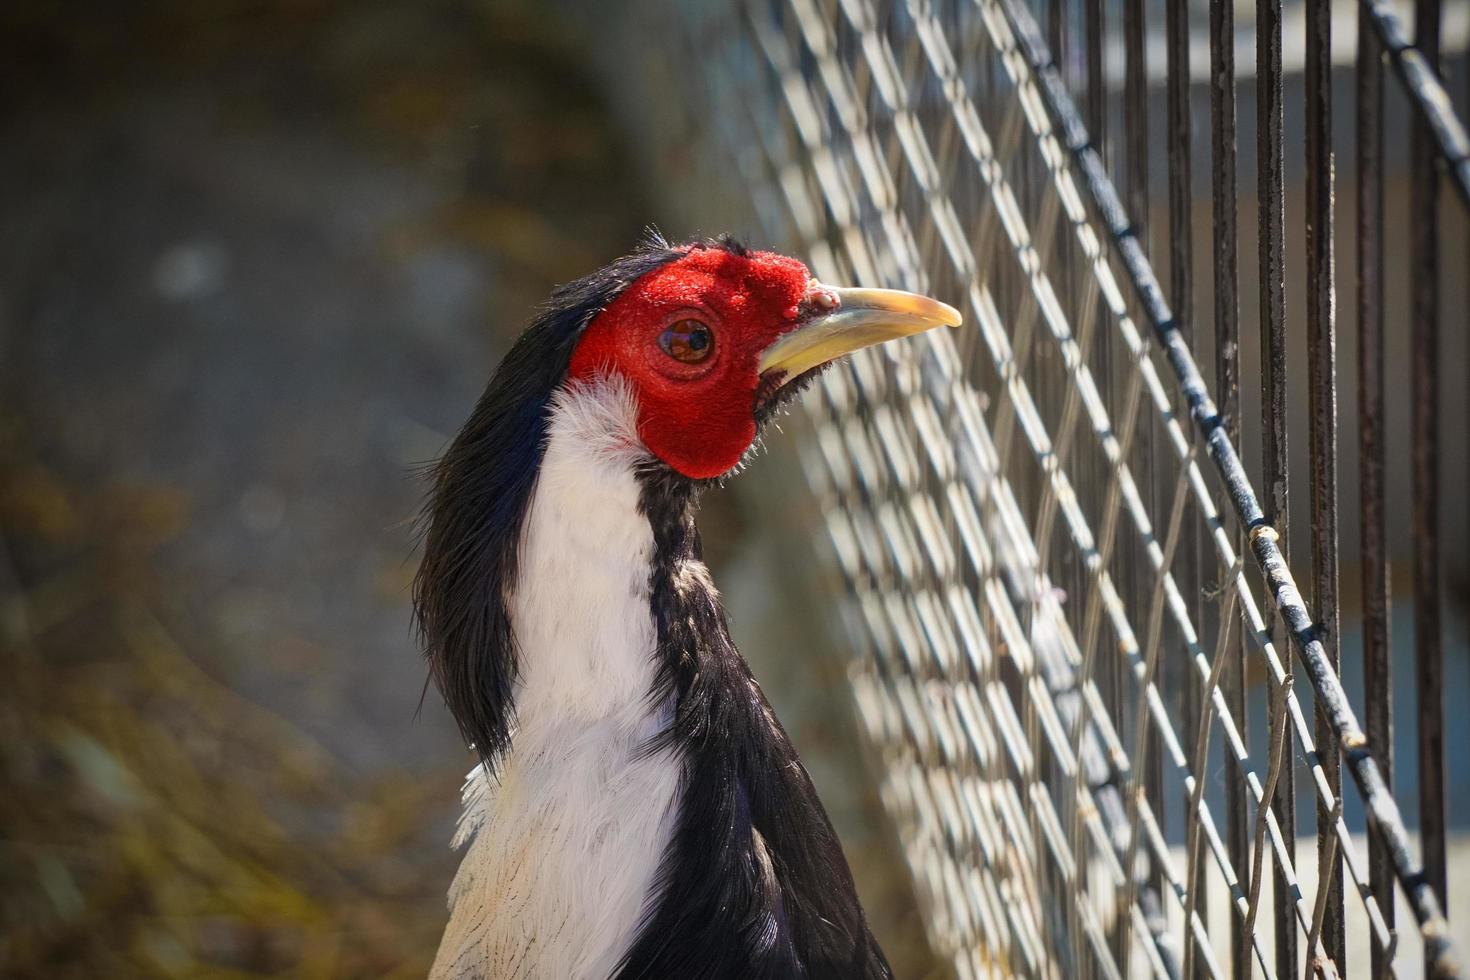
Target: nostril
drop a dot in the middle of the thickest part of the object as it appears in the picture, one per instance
(819, 299)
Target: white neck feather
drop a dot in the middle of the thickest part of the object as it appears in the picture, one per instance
(563, 851)
(581, 614)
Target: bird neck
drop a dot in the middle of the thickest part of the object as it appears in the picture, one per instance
(475, 518)
(583, 605)
(565, 840)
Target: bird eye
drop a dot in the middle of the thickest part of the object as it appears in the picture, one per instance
(689, 341)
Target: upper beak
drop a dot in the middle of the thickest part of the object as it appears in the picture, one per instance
(849, 319)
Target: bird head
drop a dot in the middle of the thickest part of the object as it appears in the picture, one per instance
(707, 340)
(714, 339)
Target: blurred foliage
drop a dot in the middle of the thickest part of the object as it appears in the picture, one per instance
(156, 823)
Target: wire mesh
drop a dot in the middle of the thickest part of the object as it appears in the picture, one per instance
(1074, 624)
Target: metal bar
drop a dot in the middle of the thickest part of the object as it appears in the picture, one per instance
(1181, 261)
(1322, 429)
(1135, 117)
(1181, 228)
(1125, 391)
(1432, 103)
(1224, 204)
(1275, 473)
(1135, 139)
(1112, 679)
(1056, 26)
(1096, 90)
(1384, 816)
(1377, 674)
(1428, 649)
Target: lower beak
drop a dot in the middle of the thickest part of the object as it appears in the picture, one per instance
(847, 320)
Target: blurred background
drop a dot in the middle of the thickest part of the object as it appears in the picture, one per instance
(259, 259)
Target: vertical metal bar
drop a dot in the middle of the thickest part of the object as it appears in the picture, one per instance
(1377, 677)
(1428, 651)
(1277, 510)
(1181, 268)
(1181, 261)
(1322, 429)
(1096, 102)
(1097, 127)
(1181, 238)
(1135, 117)
(1050, 384)
(1135, 135)
(1112, 672)
(1096, 91)
(1055, 28)
(1223, 191)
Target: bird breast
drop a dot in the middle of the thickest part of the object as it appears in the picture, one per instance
(563, 847)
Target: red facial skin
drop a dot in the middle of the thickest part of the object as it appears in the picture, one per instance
(699, 418)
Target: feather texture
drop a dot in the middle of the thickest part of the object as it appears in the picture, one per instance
(754, 883)
(559, 859)
(639, 812)
(481, 496)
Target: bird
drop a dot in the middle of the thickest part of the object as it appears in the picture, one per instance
(636, 810)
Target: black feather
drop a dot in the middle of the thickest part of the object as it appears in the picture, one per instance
(754, 884)
(481, 492)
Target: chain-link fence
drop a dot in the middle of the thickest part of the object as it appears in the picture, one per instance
(1102, 707)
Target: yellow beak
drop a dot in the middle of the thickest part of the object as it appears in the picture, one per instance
(848, 320)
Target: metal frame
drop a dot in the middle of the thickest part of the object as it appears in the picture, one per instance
(1044, 518)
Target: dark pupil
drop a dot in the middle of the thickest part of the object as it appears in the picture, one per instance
(687, 340)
